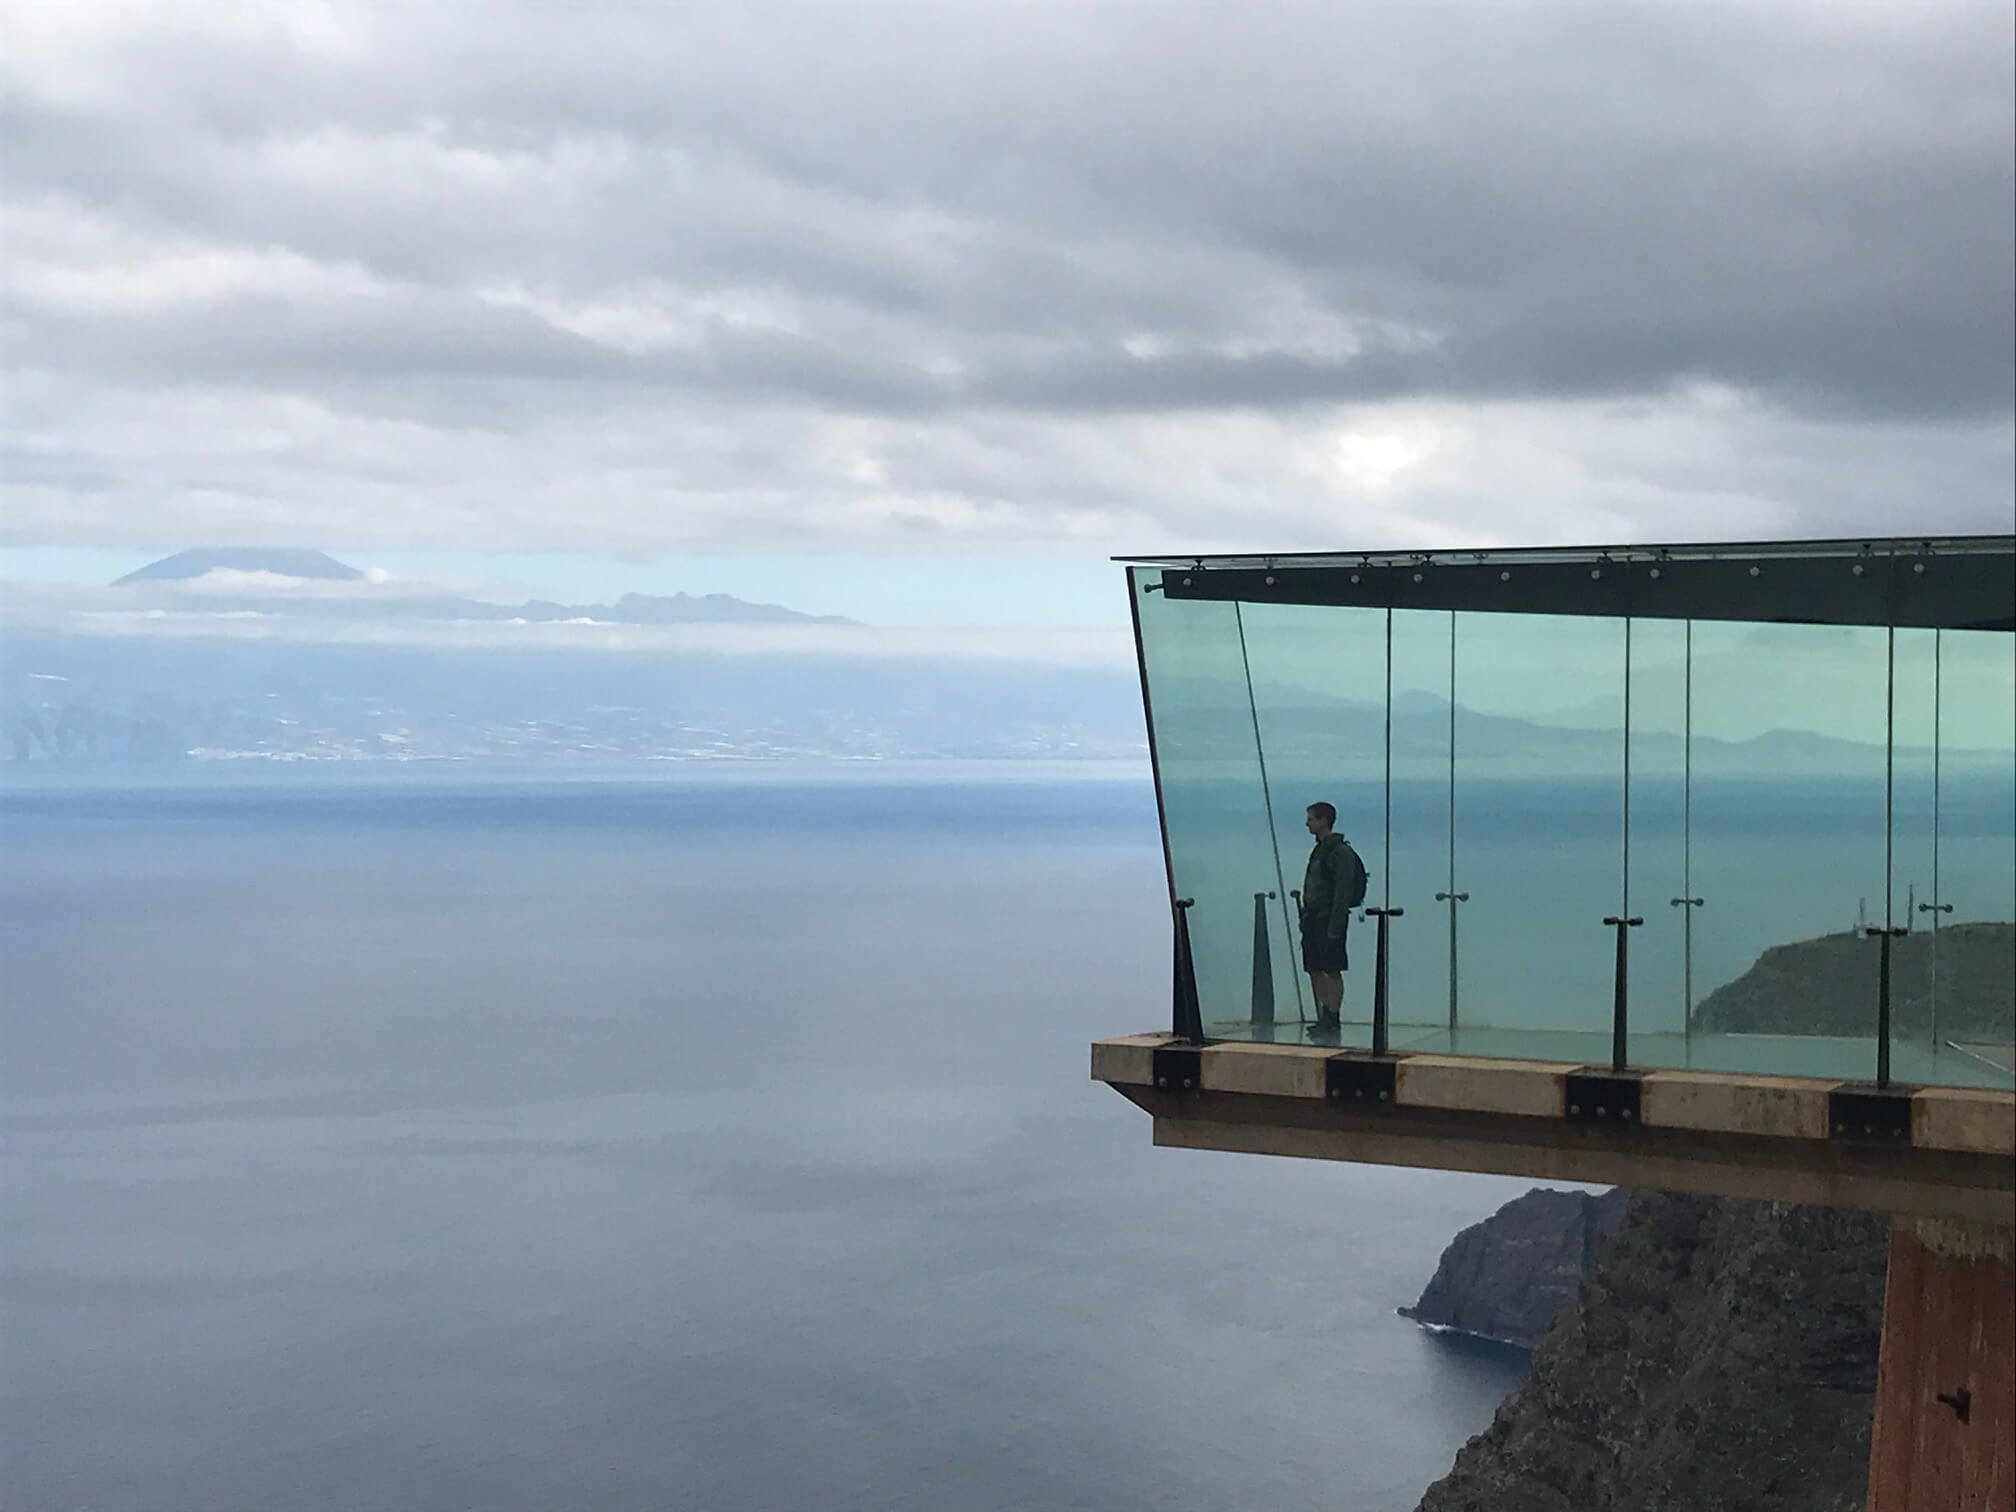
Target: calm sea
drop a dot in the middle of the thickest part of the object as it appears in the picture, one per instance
(711, 1140)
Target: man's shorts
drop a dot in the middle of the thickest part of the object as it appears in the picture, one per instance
(1320, 952)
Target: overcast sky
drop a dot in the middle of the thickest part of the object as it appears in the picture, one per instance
(608, 285)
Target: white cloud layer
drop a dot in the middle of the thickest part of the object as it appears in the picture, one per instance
(179, 612)
(618, 277)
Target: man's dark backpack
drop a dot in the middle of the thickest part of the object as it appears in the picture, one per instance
(1356, 881)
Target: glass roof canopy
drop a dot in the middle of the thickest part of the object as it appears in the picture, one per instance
(1843, 546)
(1965, 582)
(1779, 777)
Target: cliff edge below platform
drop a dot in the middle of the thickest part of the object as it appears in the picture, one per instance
(1507, 1278)
(1720, 1355)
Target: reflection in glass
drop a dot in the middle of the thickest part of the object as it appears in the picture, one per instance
(1213, 801)
(1787, 845)
(1539, 825)
(1659, 877)
(1417, 860)
(1913, 869)
(1319, 703)
(1970, 944)
(1761, 794)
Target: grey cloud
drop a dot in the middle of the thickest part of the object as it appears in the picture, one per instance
(782, 219)
(1640, 186)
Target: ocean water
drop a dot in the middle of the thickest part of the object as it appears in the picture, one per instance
(716, 1139)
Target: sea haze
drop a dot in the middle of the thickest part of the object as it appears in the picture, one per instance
(701, 1141)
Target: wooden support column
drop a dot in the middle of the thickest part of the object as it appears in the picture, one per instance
(1945, 1430)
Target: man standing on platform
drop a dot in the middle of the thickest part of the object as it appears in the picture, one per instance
(1333, 885)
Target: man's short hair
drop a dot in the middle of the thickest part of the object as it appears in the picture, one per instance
(1327, 812)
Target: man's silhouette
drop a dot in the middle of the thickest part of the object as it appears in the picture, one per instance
(1333, 885)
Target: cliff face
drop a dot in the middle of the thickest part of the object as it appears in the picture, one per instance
(1721, 1355)
(1829, 986)
(1509, 1276)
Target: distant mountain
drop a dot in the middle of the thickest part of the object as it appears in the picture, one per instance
(90, 698)
(1311, 735)
(341, 669)
(1419, 701)
(631, 609)
(282, 562)
(645, 609)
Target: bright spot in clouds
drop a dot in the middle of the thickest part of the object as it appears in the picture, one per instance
(1376, 457)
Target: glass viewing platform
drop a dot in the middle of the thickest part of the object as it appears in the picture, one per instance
(1745, 809)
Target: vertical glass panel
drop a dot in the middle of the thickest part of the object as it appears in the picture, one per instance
(1539, 829)
(1415, 863)
(1213, 801)
(1971, 960)
(1319, 694)
(1914, 777)
(1660, 878)
(1788, 849)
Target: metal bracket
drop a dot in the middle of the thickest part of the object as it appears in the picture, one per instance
(1620, 1011)
(1263, 961)
(1178, 1068)
(1601, 1097)
(1186, 1019)
(1869, 1114)
(1360, 1080)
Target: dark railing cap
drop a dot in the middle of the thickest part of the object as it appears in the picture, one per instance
(1953, 582)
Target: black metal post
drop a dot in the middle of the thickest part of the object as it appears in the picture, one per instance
(1187, 1018)
(1620, 1014)
(1452, 899)
(1885, 936)
(1263, 963)
(1379, 974)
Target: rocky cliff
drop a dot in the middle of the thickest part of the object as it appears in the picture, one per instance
(1509, 1276)
(1721, 1357)
(1829, 986)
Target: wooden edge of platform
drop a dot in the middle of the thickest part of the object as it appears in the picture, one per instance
(1903, 1182)
(1961, 1120)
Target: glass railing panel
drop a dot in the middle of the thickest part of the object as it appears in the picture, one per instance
(1539, 758)
(1963, 945)
(1318, 677)
(1787, 842)
(1214, 804)
(1661, 880)
(1761, 795)
(1914, 802)
(1419, 859)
